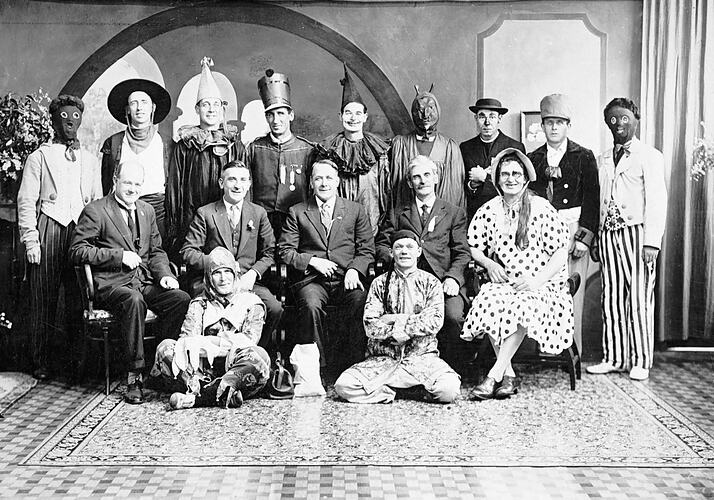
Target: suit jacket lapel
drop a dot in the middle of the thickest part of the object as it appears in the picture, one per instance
(144, 227)
(313, 215)
(220, 218)
(411, 213)
(117, 218)
(338, 215)
(437, 213)
(246, 215)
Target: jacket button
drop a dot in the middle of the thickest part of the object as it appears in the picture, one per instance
(565, 201)
(565, 186)
(53, 196)
(624, 206)
(86, 200)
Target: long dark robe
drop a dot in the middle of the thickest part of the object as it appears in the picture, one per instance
(365, 177)
(445, 153)
(195, 166)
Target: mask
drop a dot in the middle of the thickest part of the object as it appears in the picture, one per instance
(66, 121)
(425, 113)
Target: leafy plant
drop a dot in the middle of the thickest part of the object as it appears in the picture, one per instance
(24, 125)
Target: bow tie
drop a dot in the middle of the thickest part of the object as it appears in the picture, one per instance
(553, 172)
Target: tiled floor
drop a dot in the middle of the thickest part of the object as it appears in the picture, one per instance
(684, 384)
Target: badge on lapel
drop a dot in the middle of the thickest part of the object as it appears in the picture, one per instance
(250, 226)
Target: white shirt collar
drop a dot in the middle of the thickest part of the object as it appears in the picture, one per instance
(329, 204)
(229, 206)
(122, 204)
(426, 139)
(280, 141)
(429, 202)
(560, 149)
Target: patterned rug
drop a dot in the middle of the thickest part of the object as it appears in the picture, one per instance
(607, 421)
(13, 385)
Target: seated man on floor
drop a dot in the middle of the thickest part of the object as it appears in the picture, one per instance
(403, 313)
(243, 228)
(441, 227)
(327, 244)
(117, 235)
(216, 358)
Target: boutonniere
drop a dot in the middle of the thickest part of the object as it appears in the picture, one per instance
(431, 225)
(250, 225)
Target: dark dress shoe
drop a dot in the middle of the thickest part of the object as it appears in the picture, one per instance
(508, 387)
(485, 390)
(133, 394)
(573, 283)
(41, 374)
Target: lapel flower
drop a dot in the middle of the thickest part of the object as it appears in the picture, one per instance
(431, 225)
(250, 225)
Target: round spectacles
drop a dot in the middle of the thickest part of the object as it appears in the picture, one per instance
(517, 176)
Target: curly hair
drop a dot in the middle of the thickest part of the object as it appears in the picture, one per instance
(65, 100)
(622, 102)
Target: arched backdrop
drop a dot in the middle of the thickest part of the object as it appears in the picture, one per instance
(250, 13)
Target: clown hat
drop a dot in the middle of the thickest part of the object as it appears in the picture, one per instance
(349, 91)
(207, 87)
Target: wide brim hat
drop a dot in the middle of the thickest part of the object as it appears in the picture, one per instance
(488, 103)
(119, 95)
(521, 156)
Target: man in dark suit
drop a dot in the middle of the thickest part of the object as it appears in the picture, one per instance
(480, 150)
(117, 235)
(441, 228)
(327, 244)
(243, 228)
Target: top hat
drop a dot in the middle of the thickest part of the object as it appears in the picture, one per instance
(119, 96)
(555, 106)
(274, 90)
(488, 103)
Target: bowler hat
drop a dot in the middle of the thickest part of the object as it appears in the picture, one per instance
(119, 96)
(488, 103)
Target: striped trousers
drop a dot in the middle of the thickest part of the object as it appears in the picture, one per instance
(45, 280)
(627, 299)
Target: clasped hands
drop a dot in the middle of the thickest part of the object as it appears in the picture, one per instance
(328, 269)
(497, 274)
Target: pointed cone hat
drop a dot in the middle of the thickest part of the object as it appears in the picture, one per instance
(207, 88)
(349, 91)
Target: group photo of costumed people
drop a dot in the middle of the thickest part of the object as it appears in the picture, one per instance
(348, 261)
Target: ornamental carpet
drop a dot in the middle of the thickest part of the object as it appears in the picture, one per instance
(13, 385)
(609, 421)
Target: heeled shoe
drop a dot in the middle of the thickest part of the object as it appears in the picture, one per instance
(485, 390)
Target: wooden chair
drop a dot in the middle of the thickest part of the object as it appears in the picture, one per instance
(529, 352)
(99, 325)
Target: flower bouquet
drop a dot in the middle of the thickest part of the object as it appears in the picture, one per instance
(702, 156)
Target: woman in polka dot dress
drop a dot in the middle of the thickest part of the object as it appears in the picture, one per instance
(523, 245)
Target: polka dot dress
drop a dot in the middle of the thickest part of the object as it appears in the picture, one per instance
(498, 310)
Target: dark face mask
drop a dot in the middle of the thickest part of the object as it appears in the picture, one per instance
(66, 121)
(425, 115)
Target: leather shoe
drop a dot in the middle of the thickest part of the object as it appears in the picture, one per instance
(508, 387)
(485, 390)
(133, 394)
(41, 374)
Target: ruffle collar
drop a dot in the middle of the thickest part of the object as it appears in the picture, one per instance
(360, 156)
(195, 137)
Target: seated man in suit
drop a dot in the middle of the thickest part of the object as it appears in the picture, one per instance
(243, 228)
(404, 312)
(441, 227)
(327, 244)
(117, 235)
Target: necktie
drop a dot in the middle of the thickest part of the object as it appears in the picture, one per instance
(234, 216)
(325, 218)
(131, 222)
(424, 215)
(619, 153)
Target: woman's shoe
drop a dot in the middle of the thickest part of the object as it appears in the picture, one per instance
(485, 390)
(508, 387)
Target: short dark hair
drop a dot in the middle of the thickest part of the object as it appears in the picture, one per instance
(622, 102)
(342, 110)
(65, 100)
(235, 164)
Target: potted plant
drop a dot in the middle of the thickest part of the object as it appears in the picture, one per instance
(24, 124)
